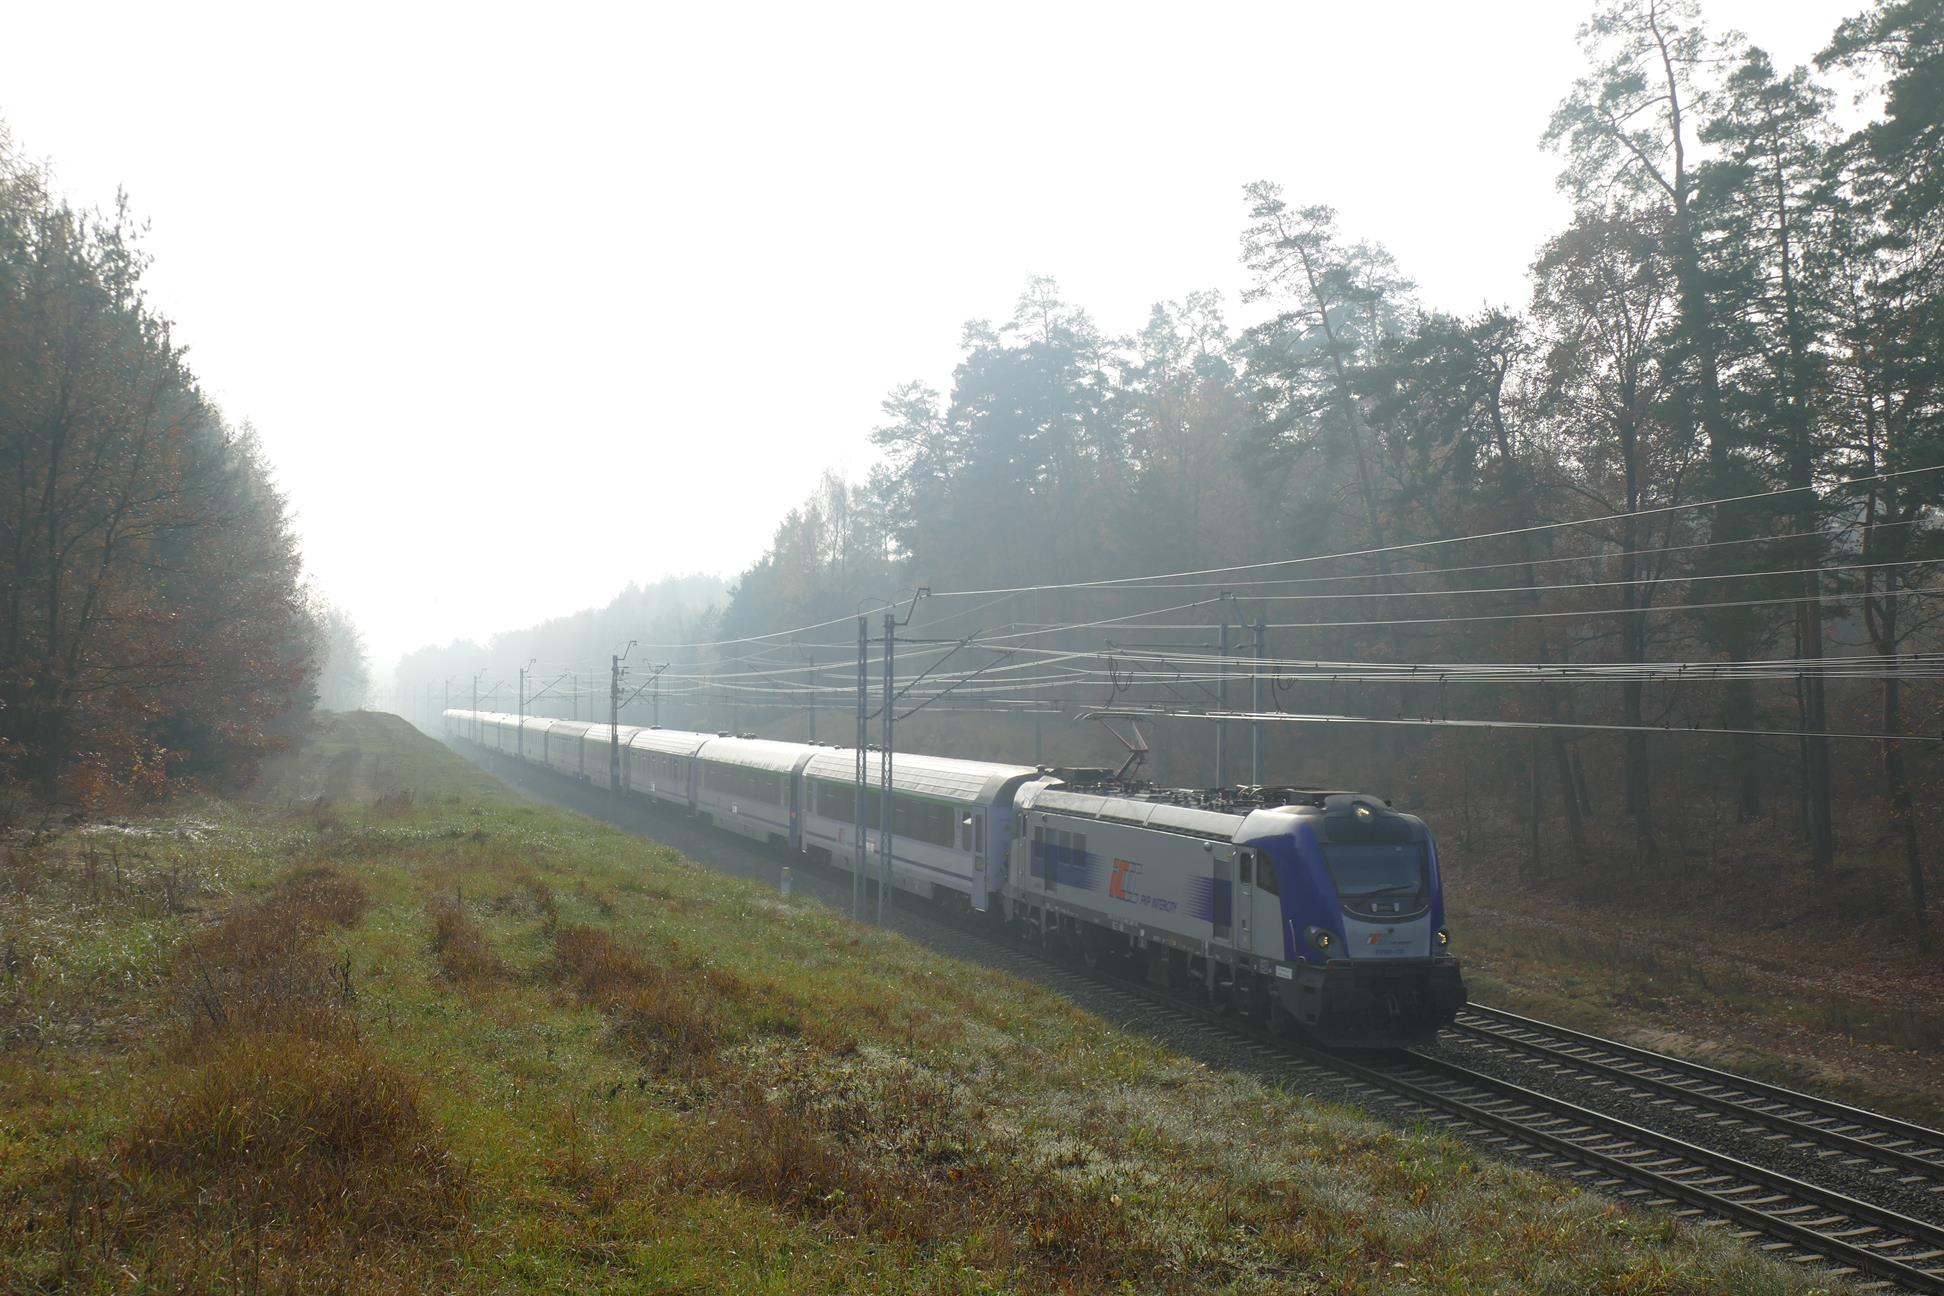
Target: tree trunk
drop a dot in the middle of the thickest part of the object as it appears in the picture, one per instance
(1802, 457)
(1903, 814)
(1575, 824)
(1532, 847)
(1633, 643)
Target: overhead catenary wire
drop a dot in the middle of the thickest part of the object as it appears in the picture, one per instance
(1341, 555)
(1075, 668)
(1436, 722)
(1132, 620)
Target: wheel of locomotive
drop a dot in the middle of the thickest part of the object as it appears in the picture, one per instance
(1221, 995)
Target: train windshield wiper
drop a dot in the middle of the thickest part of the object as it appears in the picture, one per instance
(1401, 888)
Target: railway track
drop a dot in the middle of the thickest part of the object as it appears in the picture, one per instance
(1884, 1144)
(1786, 1216)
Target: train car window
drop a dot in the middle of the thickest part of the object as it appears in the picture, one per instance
(978, 833)
(1245, 869)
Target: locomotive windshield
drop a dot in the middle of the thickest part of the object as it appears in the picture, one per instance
(1374, 875)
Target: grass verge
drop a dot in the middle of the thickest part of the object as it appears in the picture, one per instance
(420, 1035)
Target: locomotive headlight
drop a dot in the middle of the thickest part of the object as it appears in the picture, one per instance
(1444, 938)
(1321, 937)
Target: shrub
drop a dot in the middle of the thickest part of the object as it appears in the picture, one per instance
(317, 897)
(675, 1017)
(304, 1126)
(462, 947)
(259, 968)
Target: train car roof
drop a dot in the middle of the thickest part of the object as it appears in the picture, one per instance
(973, 782)
(673, 742)
(1188, 820)
(755, 753)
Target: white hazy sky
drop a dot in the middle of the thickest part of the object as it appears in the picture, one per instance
(660, 263)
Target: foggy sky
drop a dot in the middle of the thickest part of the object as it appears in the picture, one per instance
(661, 264)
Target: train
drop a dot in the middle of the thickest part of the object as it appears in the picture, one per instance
(1311, 912)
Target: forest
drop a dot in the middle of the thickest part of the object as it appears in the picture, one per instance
(155, 626)
(1644, 564)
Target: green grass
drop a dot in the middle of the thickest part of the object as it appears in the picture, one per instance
(418, 1035)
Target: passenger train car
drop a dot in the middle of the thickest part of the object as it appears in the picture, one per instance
(951, 820)
(1305, 910)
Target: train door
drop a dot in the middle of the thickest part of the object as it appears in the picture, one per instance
(796, 786)
(1245, 867)
(972, 842)
(1222, 899)
(1258, 906)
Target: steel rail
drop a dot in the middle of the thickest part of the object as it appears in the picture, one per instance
(1743, 1110)
(1763, 1215)
(1932, 1141)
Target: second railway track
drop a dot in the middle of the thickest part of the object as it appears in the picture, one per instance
(1912, 1153)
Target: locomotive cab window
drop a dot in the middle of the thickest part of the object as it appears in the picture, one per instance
(1392, 876)
(1266, 876)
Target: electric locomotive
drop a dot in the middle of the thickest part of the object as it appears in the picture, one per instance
(1303, 909)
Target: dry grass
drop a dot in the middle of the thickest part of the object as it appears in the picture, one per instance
(315, 898)
(464, 951)
(675, 1018)
(259, 967)
(881, 1146)
(318, 1128)
(393, 805)
(542, 897)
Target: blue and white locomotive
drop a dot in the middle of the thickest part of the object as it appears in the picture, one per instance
(1315, 910)
(1308, 911)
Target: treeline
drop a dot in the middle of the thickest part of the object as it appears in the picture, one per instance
(1744, 307)
(153, 623)
(567, 660)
